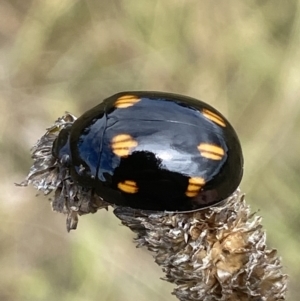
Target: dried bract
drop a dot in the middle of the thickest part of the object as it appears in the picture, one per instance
(47, 175)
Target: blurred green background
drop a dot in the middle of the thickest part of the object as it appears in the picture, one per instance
(243, 57)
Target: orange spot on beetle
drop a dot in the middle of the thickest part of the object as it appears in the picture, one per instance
(128, 186)
(211, 151)
(122, 144)
(214, 117)
(126, 101)
(194, 186)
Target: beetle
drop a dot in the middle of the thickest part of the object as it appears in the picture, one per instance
(153, 151)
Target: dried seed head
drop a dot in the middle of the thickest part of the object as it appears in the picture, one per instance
(217, 253)
(47, 175)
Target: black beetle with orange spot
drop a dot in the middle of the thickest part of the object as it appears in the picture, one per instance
(153, 151)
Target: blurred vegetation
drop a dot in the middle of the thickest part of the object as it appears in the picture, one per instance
(65, 55)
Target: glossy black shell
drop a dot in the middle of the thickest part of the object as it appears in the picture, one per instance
(153, 151)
